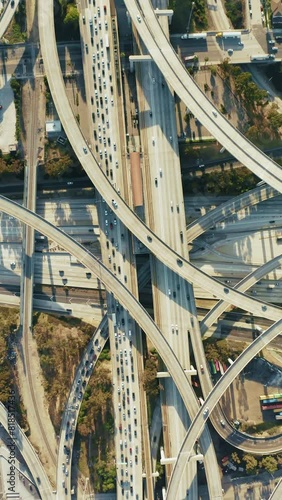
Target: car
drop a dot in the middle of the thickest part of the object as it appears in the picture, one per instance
(206, 411)
(67, 472)
(202, 368)
(70, 183)
(86, 48)
(153, 141)
(138, 19)
(63, 467)
(214, 112)
(222, 422)
(12, 3)
(85, 151)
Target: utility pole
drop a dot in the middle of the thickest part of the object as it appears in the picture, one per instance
(189, 21)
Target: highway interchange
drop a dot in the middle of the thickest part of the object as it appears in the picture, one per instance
(168, 252)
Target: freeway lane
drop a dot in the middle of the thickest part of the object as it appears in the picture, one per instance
(124, 296)
(213, 398)
(243, 285)
(176, 74)
(168, 256)
(224, 210)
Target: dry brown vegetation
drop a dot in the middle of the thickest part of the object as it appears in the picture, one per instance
(60, 344)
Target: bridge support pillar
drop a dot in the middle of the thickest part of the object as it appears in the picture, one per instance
(165, 12)
(133, 59)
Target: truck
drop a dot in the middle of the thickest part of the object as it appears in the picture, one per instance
(190, 59)
(262, 57)
(228, 34)
(107, 45)
(194, 36)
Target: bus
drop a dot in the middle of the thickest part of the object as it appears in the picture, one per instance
(212, 367)
(273, 406)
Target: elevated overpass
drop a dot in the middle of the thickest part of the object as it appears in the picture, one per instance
(126, 299)
(163, 54)
(91, 166)
(204, 413)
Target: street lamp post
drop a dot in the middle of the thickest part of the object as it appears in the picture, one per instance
(189, 21)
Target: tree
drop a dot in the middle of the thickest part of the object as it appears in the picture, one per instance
(150, 380)
(72, 17)
(225, 66)
(270, 464)
(235, 458)
(213, 70)
(251, 464)
(275, 120)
